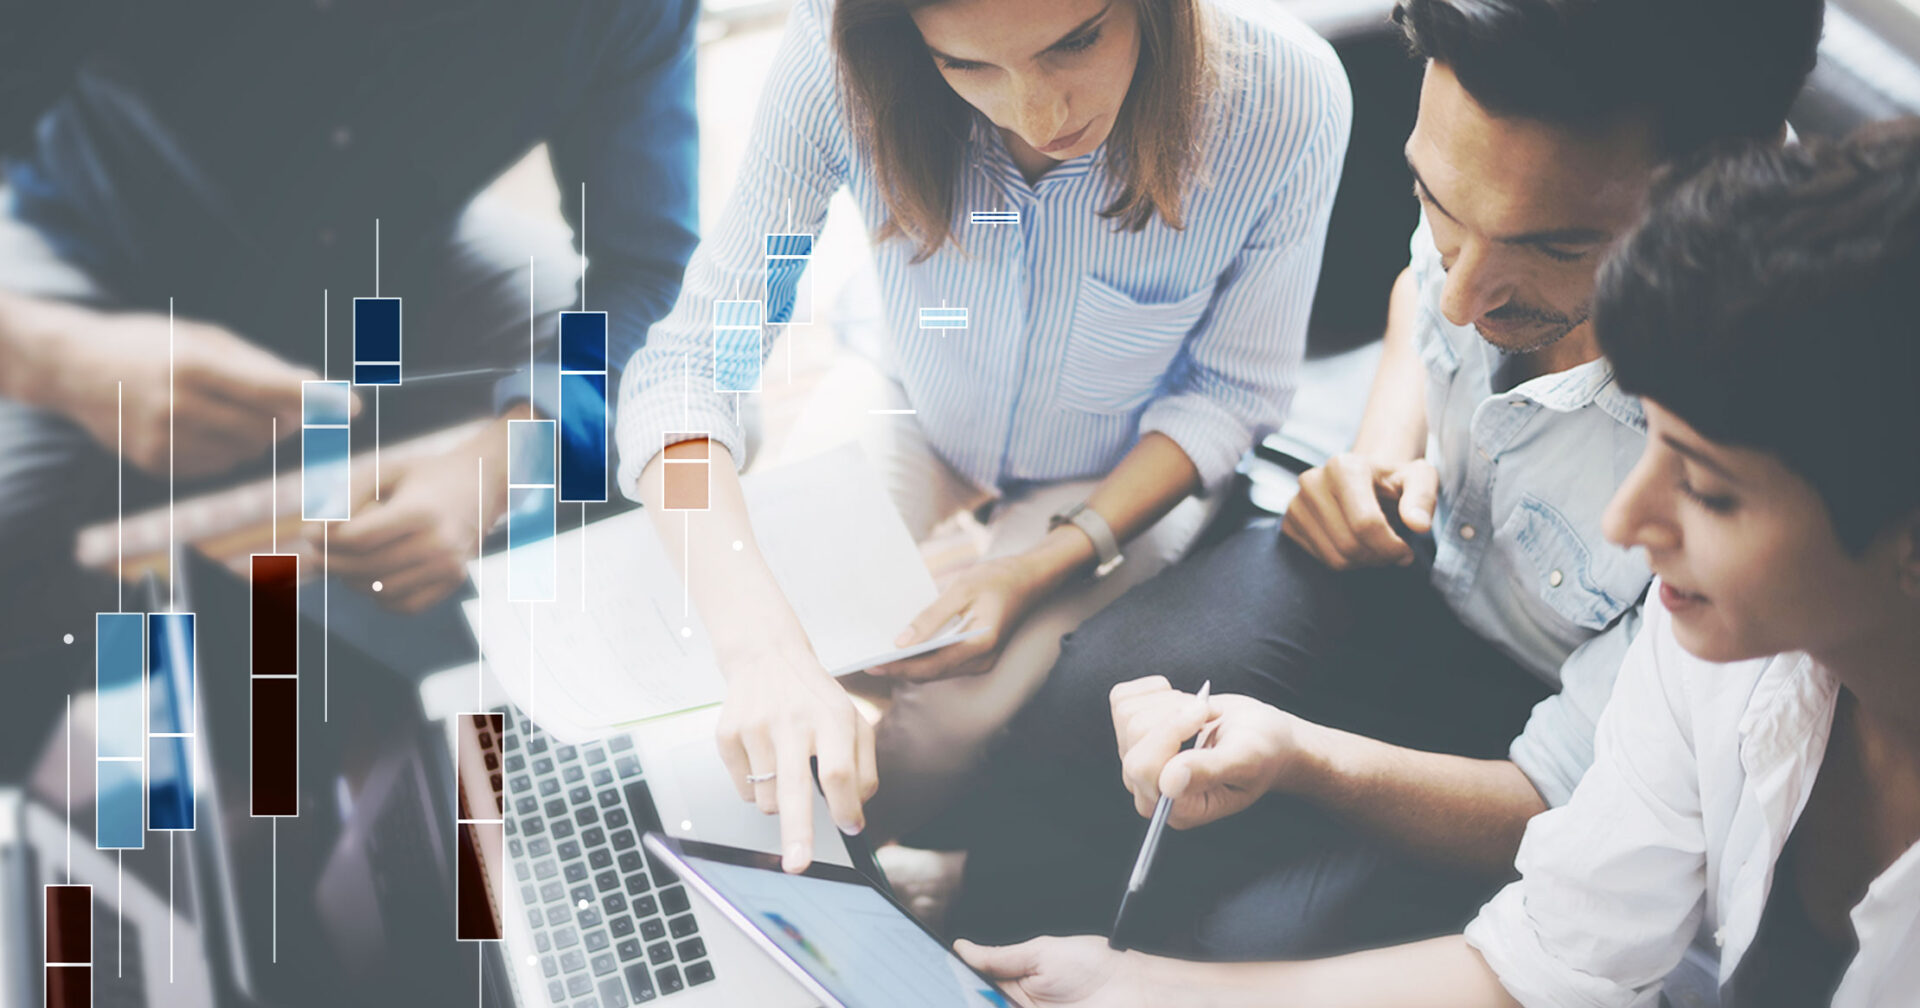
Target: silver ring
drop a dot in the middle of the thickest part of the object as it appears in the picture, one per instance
(760, 778)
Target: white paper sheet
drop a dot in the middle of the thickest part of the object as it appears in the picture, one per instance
(624, 644)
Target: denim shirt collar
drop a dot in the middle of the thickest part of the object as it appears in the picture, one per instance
(1577, 387)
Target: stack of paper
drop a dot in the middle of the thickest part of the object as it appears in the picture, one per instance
(621, 642)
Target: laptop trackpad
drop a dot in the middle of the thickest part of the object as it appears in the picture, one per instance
(697, 801)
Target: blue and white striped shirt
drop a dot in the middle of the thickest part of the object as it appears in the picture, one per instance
(1080, 338)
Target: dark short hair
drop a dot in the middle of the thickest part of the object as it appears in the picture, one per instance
(1699, 70)
(1771, 299)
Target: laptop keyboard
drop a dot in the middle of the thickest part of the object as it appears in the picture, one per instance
(611, 926)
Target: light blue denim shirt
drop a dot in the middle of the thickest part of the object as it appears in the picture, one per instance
(1525, 473)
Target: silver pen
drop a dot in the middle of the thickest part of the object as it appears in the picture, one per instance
(1148, 846)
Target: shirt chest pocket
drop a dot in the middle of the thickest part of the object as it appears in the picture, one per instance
(1587, 589)
(1118, 349)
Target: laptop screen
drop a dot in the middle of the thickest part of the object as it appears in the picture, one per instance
(355, 892)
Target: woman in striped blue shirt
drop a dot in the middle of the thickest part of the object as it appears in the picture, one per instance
(1172, 164)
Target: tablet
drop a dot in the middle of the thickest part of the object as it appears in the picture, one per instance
(849, 944)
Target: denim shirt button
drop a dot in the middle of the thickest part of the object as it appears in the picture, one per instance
(1554, 578)
(1467, 532)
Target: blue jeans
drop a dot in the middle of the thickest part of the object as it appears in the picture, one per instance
(1053, 832)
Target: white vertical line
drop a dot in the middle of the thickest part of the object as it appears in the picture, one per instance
(274, 871)
(70, 778)
(376, 257)
(326, 629)
(376, 442)
(583, 246)
(273, 484)
(170, 836)
(479, 960)
(325, 345)
(529, 328)
(173, 576)
(479, 579)
(686, 555)
(120, 494)
(583, 555)
(119, 919)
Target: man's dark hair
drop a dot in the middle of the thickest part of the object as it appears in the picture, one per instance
(1698, 70)
(1771, 299)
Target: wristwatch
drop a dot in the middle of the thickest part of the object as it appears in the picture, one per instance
(1106, 549)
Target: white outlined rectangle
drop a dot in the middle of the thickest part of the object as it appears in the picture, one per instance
(789, 281)
(739, 345)
(255, 676)
(686, 482)
(484, 832)
(377, 365)
(326, 463)
(583, 408)
(532, 566)
(174, 742)
(120, 728)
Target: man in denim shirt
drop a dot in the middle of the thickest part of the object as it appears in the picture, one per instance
(1437, 588)
(227, 161)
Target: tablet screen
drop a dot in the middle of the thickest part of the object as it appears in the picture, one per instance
(856, 944)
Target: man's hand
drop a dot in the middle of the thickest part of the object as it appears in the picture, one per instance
(782, 710)
(1251, 749)
(1082, 972)
(991, 595)
(417, 537)
(1340, 514)
(226, 392)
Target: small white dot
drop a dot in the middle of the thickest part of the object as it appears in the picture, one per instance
(533, 960)
(583, 904)
(377, 586)
(738, 545)
(686, 631)
(686, 825)
(67, 638)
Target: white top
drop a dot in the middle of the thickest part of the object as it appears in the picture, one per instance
(1700, 772)
(1079, 338)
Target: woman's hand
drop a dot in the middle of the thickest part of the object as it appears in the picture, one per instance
(783, 709)
(1082, 972)
(991, 596)
(1249, 748)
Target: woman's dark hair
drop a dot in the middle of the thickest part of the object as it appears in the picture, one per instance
(1698, 70)
(915, 127)
(1771, 299)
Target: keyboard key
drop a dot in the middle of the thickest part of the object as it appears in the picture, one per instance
(674, 899)
(573, 774)
(574, 961)
(542, 941)
(586, 813)
(636, 884)
(556, 808)
(612, 995)
(556, 915)
(639, 982)
(602, 777)
(645, 907)
(527, 894)
(579, 894)
(568, 850)
(532, 825)
(576, 872)
(699, 973)
(564, 937)
(591, 918)
(543, 765)
(562, 828)
(661, 953)
(683, 926)
(545, 870)
(628, 950)
(533, 918)
(596, 940)
(537, 745)
(628, 767)
(550, 966)
(526, 806)
(653, 929)
(565, 752)
(607, 879)
(600, 857)
(615, 818)
(623, 840)
(620, 742)
(580, 985)
(622, 926)
(596, 756)
(515, 764)
(539, 847)
(609, 799)
(593, 836)
(549, 788)
(629, 862)
(556, 992)
(551, 891)
(580, 795)
(692, 948)
(613, 903)
(669, 980)
(521, 870)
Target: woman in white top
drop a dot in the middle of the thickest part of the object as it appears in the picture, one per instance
(1169, 166)
(1758, 768)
